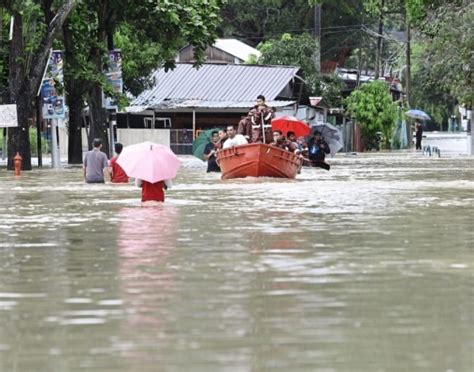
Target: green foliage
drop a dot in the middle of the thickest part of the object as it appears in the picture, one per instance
(291, 50)
(427, 94)
(294, 50)
(148, 33)
(442, 61)
(372, 108)
(34, 143)
(449, 41)
(302, 50)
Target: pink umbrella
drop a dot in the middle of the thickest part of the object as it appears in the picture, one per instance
(149, 162)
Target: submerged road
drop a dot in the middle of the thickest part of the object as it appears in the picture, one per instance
(368, 267)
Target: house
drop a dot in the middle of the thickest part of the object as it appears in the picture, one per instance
(351, 78)
(222, 51)
(188, 99)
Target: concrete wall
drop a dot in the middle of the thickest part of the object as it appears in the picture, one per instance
(131, 136)
(125, 136)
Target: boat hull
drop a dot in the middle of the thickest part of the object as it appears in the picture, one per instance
(257, 160)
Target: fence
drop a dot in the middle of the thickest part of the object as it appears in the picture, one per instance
(181, 141)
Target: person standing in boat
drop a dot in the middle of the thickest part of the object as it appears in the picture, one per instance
(210, 153)
(317, 150)
(260, 118)
(245, 127)
(233, 139)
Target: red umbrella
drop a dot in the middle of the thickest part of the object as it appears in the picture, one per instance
(291, 124)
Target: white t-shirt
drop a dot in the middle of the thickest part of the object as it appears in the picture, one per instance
(236, 141)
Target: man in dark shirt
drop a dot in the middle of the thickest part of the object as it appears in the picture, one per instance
(419, 134)
(317, 150)
(210, 153)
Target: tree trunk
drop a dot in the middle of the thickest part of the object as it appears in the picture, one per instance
(75, 99)
(75, 131)
(98, 125)
(18, 138)
(98, 115)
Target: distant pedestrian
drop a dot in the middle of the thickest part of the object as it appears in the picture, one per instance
(95, 161)
(117, 174)
(418, 134)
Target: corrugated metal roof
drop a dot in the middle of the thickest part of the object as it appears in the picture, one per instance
(236, 48)
(217, 83)
(179, 104)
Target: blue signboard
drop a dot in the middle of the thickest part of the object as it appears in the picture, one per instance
(53, 105)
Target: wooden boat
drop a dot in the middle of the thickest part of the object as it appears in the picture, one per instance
(257, 160)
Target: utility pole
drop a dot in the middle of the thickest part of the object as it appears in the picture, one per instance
(408, 61)
(378, 56)
(317, 35)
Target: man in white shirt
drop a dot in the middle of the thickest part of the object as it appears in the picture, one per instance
(233, 139)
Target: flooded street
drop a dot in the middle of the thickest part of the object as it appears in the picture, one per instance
(368, 267)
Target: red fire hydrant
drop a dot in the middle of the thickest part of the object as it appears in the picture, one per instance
(17, 163)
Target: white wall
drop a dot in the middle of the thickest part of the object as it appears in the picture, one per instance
(124, 136)
(131, 136)
(454, 143)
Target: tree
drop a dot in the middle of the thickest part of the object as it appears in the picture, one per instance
(302, 50)
(449, 39)
(292, 50)
(443, 61)
(372, 108)
(149, 35)
(35, 25)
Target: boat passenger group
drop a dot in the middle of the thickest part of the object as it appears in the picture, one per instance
(256, 128)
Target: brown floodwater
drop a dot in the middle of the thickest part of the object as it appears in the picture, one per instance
(368, 267)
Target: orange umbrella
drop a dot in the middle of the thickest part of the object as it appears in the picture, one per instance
(291, 124)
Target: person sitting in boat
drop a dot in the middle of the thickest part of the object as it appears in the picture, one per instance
(233, 139)
(281, 142)
(245, 127)
(260, 117)
(291, 138)
(222, 138)
(317, 150)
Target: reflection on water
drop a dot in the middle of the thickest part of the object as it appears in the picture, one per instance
(146, 238)
(364, 268)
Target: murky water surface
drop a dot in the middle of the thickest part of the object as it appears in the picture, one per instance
(368, 267)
